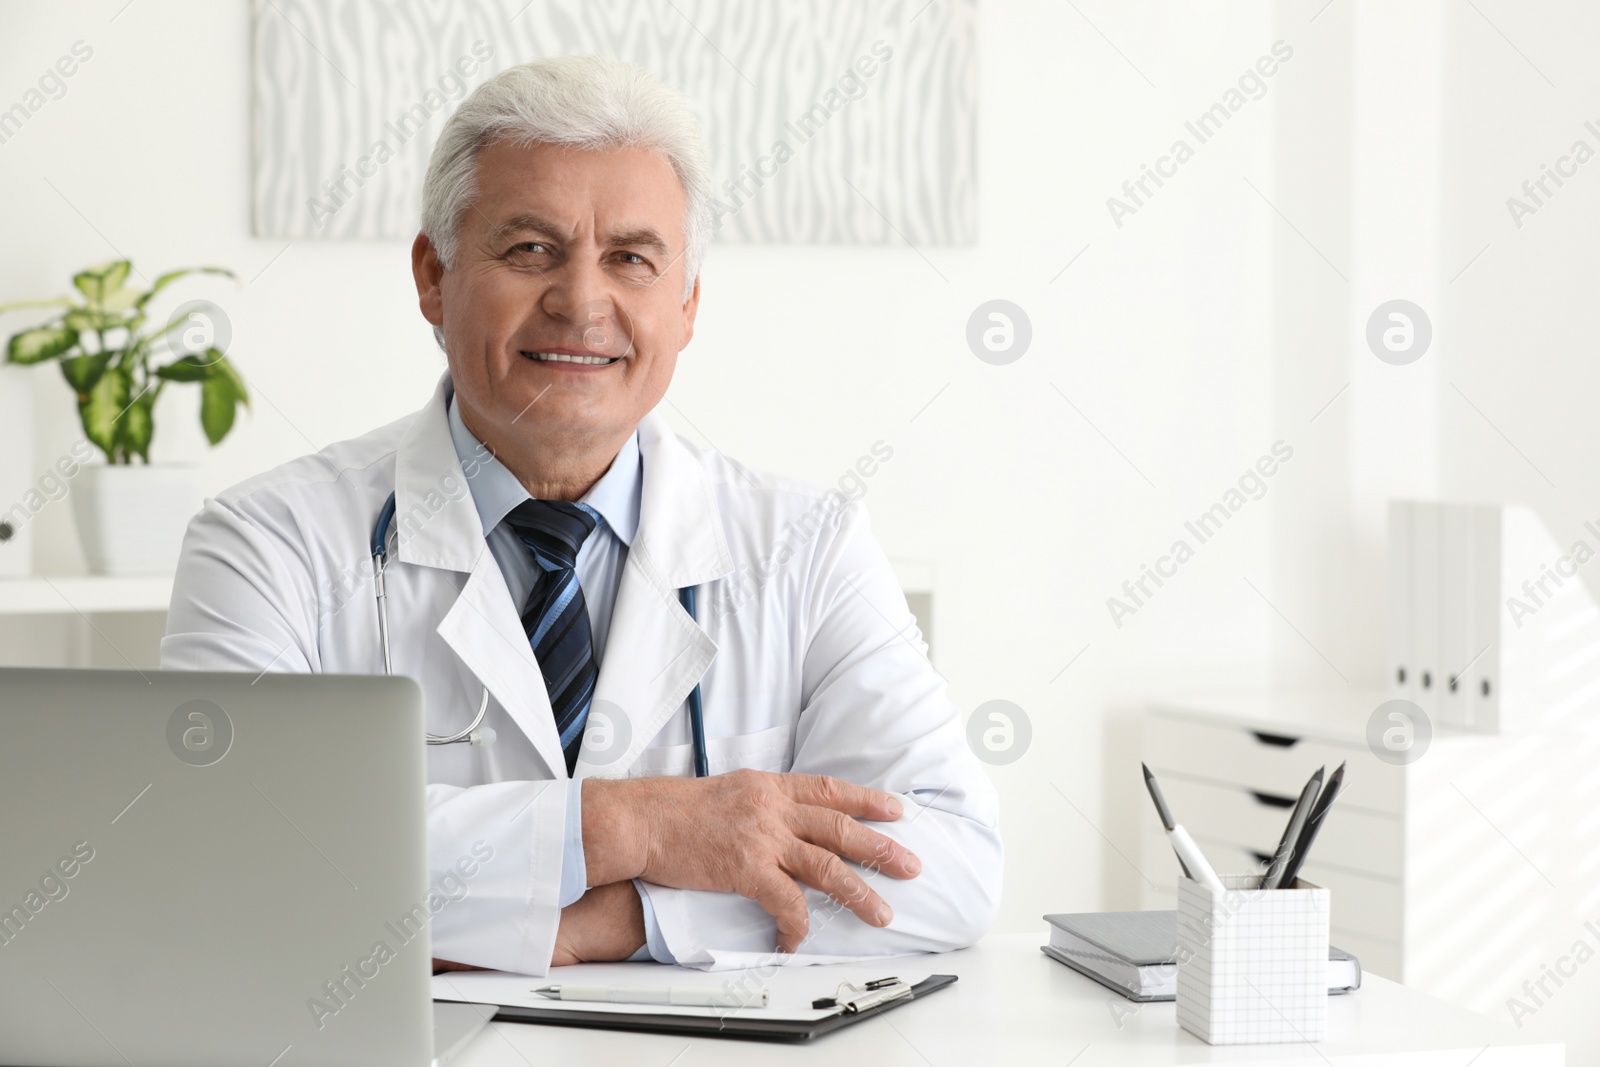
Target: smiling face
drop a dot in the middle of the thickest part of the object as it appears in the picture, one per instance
(563, 314)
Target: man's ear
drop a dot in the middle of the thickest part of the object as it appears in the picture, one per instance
(429, 275)
(690, 307)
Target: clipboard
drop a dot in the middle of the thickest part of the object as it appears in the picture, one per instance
(791, 1031)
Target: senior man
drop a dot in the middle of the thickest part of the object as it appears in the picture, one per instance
(546, 524)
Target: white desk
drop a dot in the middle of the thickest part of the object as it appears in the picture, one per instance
(1015, 1005)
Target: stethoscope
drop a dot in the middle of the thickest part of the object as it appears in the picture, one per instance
(476, 733)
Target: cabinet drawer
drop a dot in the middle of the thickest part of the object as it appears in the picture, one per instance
(1255, 820)
(1359, 903)
(1269, 761)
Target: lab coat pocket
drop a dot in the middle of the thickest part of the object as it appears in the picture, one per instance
(764, 750)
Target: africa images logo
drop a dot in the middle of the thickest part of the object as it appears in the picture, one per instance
(199, 733)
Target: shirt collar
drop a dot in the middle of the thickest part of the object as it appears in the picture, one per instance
(495, 490)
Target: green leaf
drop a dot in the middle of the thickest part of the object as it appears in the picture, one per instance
(104, 406)
(82, 372)
(86, 320)
(123, 299)
(98, 282)
(218, 405)
(188, 369)
(173, 275)
(38, 345)
(137, 426)
(223, 369)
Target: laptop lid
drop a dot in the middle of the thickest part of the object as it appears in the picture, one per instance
(212, 869)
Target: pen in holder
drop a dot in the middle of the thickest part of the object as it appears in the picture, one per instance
(1252, 963)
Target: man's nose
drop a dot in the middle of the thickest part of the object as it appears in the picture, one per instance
(581, 296)
(578, 294)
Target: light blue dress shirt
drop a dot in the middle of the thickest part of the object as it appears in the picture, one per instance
(616, 497)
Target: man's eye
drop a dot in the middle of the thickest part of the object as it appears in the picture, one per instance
(528, 246)
(634, 259)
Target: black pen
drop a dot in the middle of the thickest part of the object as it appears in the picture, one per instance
(1162, 810)
(1313, 824)
(1291, 833)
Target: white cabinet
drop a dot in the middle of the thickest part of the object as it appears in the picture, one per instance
(1457, 873)
(83, 621)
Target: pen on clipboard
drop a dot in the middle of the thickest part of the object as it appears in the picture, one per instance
(673, 996)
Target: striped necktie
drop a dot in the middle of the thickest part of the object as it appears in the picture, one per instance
(556, 618)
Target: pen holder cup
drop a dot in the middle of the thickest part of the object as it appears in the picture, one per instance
(1252, 963)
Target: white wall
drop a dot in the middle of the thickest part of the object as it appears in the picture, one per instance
(1398, 160)
(1522, 351)
(1160, 333)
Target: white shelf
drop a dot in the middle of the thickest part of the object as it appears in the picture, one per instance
(69, 595)
(86, 595)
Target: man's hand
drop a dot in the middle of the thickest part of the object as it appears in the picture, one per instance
(441, 966)
(606, 923)
(753, 833)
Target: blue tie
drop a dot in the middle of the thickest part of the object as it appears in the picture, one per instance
(556, 618)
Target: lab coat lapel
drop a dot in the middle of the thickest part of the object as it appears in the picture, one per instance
(437, 525)
(484, 629)
(655, 654)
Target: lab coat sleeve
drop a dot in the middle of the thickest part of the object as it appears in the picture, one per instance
(876, 713)
(242, 599)
(505, 916)
(245, 599)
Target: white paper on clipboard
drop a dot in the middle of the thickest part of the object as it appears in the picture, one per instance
(792, 989)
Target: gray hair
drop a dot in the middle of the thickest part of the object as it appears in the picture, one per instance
(583, 101)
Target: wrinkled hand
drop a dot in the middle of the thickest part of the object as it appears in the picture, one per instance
(606, 923)
(757, 834)
(440, 966)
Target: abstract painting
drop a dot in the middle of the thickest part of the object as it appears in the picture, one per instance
(826, 121)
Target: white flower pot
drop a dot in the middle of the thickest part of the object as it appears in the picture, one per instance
(131, 518)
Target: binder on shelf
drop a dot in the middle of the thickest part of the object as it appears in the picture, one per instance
(1425, 604)
(1402, 670)
(1548, 626)
(1456, 581)
(1484, 678)
(1492, 626)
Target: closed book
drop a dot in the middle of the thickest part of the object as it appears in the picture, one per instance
(1135, 953)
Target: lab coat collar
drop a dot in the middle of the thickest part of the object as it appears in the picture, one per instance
(680, 523)
(679, 533)
(436, 524)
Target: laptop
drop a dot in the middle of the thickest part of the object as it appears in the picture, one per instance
(216, 869)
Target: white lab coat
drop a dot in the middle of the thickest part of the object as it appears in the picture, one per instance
(807, 654)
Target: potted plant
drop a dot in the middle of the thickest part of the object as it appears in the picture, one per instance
(131, 516)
